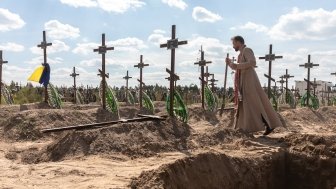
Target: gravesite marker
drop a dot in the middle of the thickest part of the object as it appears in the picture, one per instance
(43, 45)
(127, 77)
(1, 63)
(314, 85)
(308, 65)
(202, 63)
(270, 57)
(74, 75)
(213, 82)
(102, 73)
(286, 77)
(281, 81)
(141, 65)
(172, 44)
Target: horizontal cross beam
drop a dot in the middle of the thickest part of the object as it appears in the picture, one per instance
(270, 57)
(309, 65)
(269, 77)
(202, 63)
(103, 49)
(141, 82)
(173, 44)
(101, 73)
(176, 77)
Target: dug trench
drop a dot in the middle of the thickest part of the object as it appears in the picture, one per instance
(283, 167)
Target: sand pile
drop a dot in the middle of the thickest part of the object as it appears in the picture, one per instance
(134, 140)
(26, 125)
(312, 145)
(197, 114)
(324, 115)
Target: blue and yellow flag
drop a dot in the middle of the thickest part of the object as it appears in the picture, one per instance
(41, 74)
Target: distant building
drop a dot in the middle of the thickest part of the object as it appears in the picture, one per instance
(321, 86)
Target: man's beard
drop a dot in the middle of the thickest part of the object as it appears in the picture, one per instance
(236, 49)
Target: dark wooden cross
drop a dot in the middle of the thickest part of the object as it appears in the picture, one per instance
(1, 63)
(327, 91)
(213, 82)
(281, 81)
(275, 88)
(202, 63)
(74, 75)
(175, 77)
(286, 77)
(43, 45)
(308, 65)
(127, 77)
(270, 57)
(102, 72)
(295, 91)
(314, 85)
(172, 44)
(141, 65)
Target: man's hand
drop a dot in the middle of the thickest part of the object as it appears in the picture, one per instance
(230, 64)
(228, 60)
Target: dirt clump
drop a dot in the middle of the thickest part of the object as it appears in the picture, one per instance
(134, 140)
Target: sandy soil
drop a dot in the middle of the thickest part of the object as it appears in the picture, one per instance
(205, 153)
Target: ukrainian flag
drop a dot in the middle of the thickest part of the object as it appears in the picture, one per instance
(41, 74)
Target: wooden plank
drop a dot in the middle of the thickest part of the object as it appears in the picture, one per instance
(153, 116)
(102, 124)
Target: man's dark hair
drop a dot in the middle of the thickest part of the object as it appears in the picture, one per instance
(238, 38)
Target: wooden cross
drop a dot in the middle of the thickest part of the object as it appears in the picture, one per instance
(74, 75)
(295, 91)
(308, 65)
(141, 65)
(175, 77)
(314, 85)
(327, 91)
(270, 57)
(281, 81)
(213, 82)
(43, 45)
(1, 63)
(102, 73)
(275, 88)
(172, 44)
(127, 77)
(202, 63)
(286, 77)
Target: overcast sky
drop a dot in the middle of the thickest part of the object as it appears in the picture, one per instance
(296, 28)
